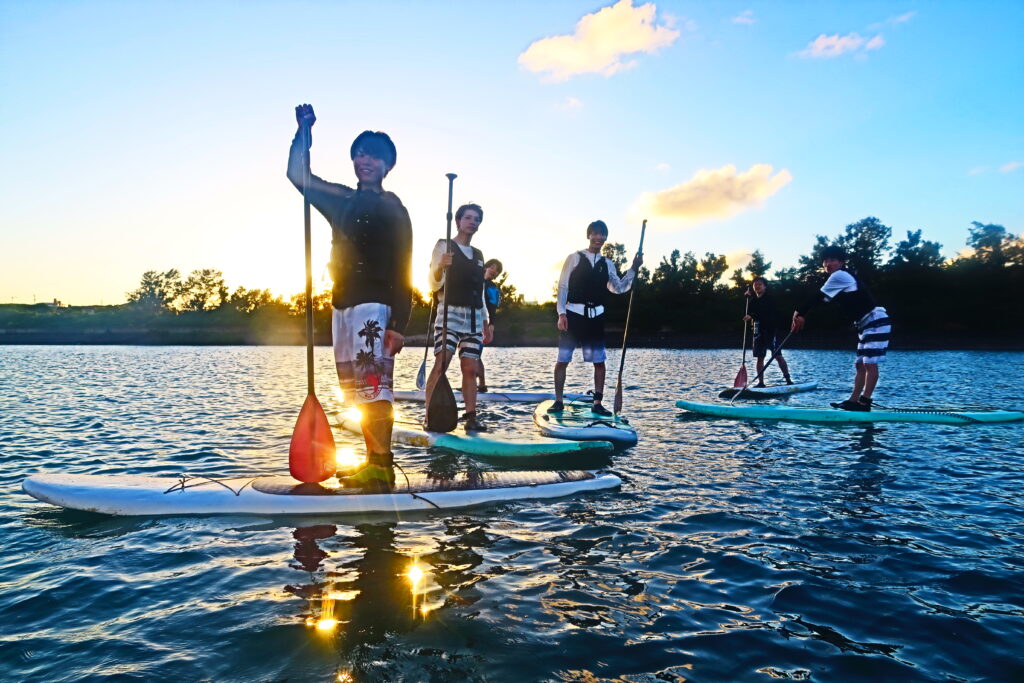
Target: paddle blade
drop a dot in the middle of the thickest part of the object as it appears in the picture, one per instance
(442, 411)
(741, 378)
(421, 376)
(617, 403)
(311, 456)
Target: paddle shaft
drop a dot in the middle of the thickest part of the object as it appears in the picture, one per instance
(448, 247)
(629, 314)
(309, 263)
(426, 342)
(757, 378)
(746, 312)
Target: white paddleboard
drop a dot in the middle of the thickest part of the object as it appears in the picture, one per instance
(769, 392)
(142, 495)
(577, 422)
(492, 396)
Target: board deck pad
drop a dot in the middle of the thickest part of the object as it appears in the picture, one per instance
(423, 483)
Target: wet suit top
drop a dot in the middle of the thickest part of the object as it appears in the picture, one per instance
(371, 246)
(841, 286)
(762, 311)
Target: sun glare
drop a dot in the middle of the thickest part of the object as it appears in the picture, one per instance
(346, 458)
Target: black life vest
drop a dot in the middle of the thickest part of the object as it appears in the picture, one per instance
(856, 304)
(465, 280)
(589, 284)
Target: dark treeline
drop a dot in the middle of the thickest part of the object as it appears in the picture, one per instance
(970, 301)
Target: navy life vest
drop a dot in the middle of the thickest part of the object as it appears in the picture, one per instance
(858, 304)
(465, 280)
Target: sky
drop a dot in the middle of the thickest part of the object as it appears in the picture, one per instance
(153, 135)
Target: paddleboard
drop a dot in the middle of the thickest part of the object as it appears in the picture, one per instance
(777, 412)
(577, 422)
(492, 448)
(493, 396)
(769, 392)
(142, 495)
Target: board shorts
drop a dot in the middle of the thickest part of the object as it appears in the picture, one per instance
(873, 332)
(365, 372)
(585, 332)
(461, 336)
(764, 344)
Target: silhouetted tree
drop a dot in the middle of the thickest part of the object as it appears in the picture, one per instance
(915, 252)
(204, 290)
(157, 290)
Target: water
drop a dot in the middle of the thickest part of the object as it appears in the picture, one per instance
(733, 551)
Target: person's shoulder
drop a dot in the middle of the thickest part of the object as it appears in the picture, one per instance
(841, 277)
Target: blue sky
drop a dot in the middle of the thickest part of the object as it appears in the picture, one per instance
(151, 135)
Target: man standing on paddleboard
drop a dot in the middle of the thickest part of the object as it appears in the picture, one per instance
(492, 299)
(870, 320)
(371, 256)
(457, 276)
(762, 314)
(583, 288)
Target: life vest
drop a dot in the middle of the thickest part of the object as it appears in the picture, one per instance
(465, 280)
(858, 303)
(588, 284)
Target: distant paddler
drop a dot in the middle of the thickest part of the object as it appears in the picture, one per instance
(763, 316)
(583, 287)
(870, 320)
(457, 278)
(371, 257)
(492, 299)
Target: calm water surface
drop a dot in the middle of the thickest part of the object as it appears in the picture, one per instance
(733, 551)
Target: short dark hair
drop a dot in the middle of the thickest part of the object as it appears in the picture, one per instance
(597, 226)
(762, 279)
(496, 263)
(469, 207)
(835, 252)
(375, 144)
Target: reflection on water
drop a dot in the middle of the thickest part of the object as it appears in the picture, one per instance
(732, 552)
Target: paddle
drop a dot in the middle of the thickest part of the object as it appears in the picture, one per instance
(741, 376)
(311, 456)
(617, 404)
(421, 376)
(757, 378)
(442, 412)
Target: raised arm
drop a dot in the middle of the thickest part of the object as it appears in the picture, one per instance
(319, 190)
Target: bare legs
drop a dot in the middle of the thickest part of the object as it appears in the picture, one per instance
(864, 381)
(469, 368)
(599, 373)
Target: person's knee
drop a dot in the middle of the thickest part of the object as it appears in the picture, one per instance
(561, 365)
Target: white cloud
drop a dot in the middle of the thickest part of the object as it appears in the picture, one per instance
(1011, 166)
(977, 170)
(600, 43)
(717, 193)
(738, 259)
(663, 167)
(745, 17)
(571, 103)
(827, 47)
(901, 18)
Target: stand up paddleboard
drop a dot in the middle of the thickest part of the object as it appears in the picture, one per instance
(777, 412)
(493, 396)
(491, 448)
(768, 392)
(577, 422)
(139, 495)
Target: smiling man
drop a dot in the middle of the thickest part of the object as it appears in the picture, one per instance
(371, 254)
(583, 288)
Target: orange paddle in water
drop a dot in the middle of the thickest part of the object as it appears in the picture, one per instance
(311, 457)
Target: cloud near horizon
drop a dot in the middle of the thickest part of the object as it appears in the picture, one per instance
(717, 193)
(600, 43)
(745, 17)
(828, 47)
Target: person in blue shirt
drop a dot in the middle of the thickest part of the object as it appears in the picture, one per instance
(492, 299)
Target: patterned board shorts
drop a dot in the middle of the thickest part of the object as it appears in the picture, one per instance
(873, 336)
(366, 374)
(585, 332)
(460, 323)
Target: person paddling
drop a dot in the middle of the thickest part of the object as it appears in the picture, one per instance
(469, 323)
(763, 316)
(371, 256)
(871, 321)
(583, 288)
(492, 299)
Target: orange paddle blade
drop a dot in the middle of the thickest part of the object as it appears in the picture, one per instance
(311, 456)
(741, 378)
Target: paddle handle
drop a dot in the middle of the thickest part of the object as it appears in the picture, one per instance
(306, 173)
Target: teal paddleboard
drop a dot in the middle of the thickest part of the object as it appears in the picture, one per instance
(801, 414)
(484, 445)
(576, 421)
(769, 392)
